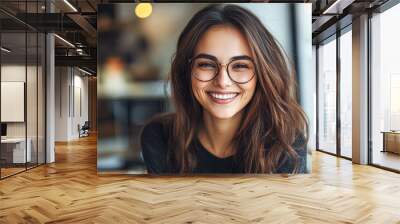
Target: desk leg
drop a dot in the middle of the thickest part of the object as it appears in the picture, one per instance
(384, 142)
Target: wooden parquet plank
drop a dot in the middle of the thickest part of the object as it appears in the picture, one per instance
(71, 191)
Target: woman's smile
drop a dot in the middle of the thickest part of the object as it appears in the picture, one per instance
(220, 97)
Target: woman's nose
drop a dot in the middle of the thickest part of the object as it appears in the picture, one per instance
(222, 79)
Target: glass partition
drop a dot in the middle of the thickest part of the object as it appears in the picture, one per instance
(41, 91)
(31, 83)
(346, 94)
(31, 99)
(327, 96)
(22, 77)
(14, 153)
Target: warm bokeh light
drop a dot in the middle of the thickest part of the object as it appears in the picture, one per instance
(143, 10)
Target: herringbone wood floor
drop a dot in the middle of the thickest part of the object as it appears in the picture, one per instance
(70, 191)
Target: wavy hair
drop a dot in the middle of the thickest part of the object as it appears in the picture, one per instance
(273, 118)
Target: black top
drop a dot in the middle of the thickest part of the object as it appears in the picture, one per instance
(154, 142)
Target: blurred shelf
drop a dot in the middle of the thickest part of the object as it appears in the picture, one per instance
(138, 90)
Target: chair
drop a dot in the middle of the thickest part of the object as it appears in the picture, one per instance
(84, 130)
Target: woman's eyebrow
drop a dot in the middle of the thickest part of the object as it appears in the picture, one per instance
(212, 57)
(207, 56)
(241, 57)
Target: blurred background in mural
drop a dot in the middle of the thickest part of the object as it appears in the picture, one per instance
(136, 43)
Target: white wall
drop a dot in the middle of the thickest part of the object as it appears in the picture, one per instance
(70, 84)
(62, 81)
(80, 94)
(12, 73)
(33, 126)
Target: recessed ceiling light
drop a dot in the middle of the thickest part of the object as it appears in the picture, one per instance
(64, 40)
(70, 5)
(84, 71)
(143, 10)
(5, 50)
(337, 7)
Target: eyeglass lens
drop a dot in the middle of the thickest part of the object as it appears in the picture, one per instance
(240, 71)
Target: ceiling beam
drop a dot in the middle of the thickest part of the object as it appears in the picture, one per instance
(84, 24)
(83, 61)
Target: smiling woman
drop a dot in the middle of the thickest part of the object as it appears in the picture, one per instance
(234, 94)
(223, 93)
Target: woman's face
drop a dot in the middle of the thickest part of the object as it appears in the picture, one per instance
(221, 97)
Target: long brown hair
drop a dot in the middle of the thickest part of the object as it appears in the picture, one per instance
(273, 119)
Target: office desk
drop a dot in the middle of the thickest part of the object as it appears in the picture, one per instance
(16, 147)
(391, 141)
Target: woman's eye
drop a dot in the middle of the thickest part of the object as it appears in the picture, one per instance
(206, 65)
(240, 66)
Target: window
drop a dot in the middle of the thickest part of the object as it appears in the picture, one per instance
(327, 97)
(385, 89)
(346, 94)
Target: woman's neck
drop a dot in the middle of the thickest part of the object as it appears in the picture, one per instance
(216, 134)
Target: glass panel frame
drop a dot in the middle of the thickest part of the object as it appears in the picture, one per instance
(340, 88)
(27, 59)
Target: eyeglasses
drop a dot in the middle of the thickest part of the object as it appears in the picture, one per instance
(205, 68)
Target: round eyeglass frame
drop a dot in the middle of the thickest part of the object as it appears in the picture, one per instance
(219, 69)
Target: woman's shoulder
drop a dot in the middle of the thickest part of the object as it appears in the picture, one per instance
(152, 129)
(157, 127)
(300, 163)
(154, 143)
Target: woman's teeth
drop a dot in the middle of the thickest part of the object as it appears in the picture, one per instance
(223, 96)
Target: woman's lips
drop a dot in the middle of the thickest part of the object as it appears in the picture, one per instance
(222, 97)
